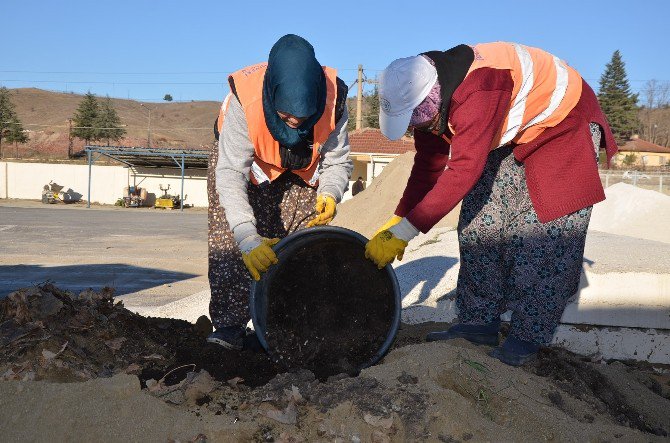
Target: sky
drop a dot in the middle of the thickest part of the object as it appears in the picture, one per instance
(145, 49)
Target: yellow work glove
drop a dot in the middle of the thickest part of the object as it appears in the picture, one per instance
(325, 210)
(384, 248)
(258, 255)
(390, 222)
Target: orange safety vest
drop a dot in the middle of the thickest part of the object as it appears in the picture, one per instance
(266, 166)
(545, 90)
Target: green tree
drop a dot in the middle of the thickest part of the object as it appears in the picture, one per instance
(351, 107)
(629, 159)
(616, 99)
(167, 98)
(373, 108)
(85, 119)
(9, 120)
(16, 134)
(108, 123)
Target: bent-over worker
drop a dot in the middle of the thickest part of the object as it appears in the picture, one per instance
(282, 164)
(513, 132)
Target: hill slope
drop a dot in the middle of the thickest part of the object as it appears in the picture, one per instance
(45, 115)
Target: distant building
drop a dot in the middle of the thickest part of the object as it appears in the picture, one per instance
(371, 152)
(642, 154)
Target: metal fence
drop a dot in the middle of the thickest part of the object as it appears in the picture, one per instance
(656, 181)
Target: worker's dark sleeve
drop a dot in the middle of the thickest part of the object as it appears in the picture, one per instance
(476, 121)
(432, 153)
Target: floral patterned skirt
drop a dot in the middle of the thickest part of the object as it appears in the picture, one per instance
(509, 260)
(280, 208)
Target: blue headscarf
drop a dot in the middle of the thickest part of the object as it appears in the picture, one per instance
(294, 83)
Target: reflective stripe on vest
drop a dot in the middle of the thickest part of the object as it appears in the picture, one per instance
(545, 89)
(267, 161)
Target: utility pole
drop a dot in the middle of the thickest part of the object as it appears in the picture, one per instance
(69, 138)
(149, 126)
(359, 99)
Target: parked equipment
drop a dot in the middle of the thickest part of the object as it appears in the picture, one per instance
(54, 193)
(134, 196)
(48, 197)
(167, 201)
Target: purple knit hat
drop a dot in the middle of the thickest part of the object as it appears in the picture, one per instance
(430, 106)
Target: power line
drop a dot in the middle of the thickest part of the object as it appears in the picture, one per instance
(112, 83)
(118, 73)
(144, 73)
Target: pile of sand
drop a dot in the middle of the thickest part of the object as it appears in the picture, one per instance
(371, 208)
(632, 211)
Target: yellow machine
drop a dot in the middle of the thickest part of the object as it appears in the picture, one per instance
(167, 201)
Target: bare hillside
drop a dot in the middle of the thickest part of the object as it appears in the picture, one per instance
(45, 115)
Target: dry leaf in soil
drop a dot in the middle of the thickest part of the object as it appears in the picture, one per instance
(115, 344)
(378, 422)
(234, 382)
(289, 416)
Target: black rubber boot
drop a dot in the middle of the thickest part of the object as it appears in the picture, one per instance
(481, 334)
(230, 337)
(515, 352)
(251, 342)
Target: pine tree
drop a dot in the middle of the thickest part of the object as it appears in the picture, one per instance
(373, 109)
(9, 120)
(85, 118)
(16, 133)
(617, 101)
(351, 107)
(108, 123)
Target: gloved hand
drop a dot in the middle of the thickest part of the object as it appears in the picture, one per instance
(390, 243)
(384, 248)
(258, 255)
(325, 210)
(390, 222)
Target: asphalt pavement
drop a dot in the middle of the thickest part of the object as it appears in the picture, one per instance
(148, 256)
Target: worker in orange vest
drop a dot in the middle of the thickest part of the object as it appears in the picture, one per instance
(513, 132)
(282, 164)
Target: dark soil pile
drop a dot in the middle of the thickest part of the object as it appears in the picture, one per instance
(50, 334)
(584, 380)
(329, 309)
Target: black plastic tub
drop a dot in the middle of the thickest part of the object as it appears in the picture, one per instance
(324, 306)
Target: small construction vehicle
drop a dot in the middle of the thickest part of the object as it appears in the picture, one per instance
(134, 196)
(167, 201)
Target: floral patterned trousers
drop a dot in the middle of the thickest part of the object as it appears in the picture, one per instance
(509, 260)
(280, 208)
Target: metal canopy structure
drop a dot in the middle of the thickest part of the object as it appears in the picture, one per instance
(148, 157)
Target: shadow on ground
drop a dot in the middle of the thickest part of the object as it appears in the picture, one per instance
(427, 271)
(123, 278)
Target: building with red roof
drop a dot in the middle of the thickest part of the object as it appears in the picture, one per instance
(371, 151)
(641, 153)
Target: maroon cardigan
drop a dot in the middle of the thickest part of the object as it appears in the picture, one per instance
(561, 170)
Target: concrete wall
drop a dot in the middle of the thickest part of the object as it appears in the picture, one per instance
(3, 180)
(23, 180)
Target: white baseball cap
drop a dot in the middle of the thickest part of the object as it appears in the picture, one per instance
(403, 85)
